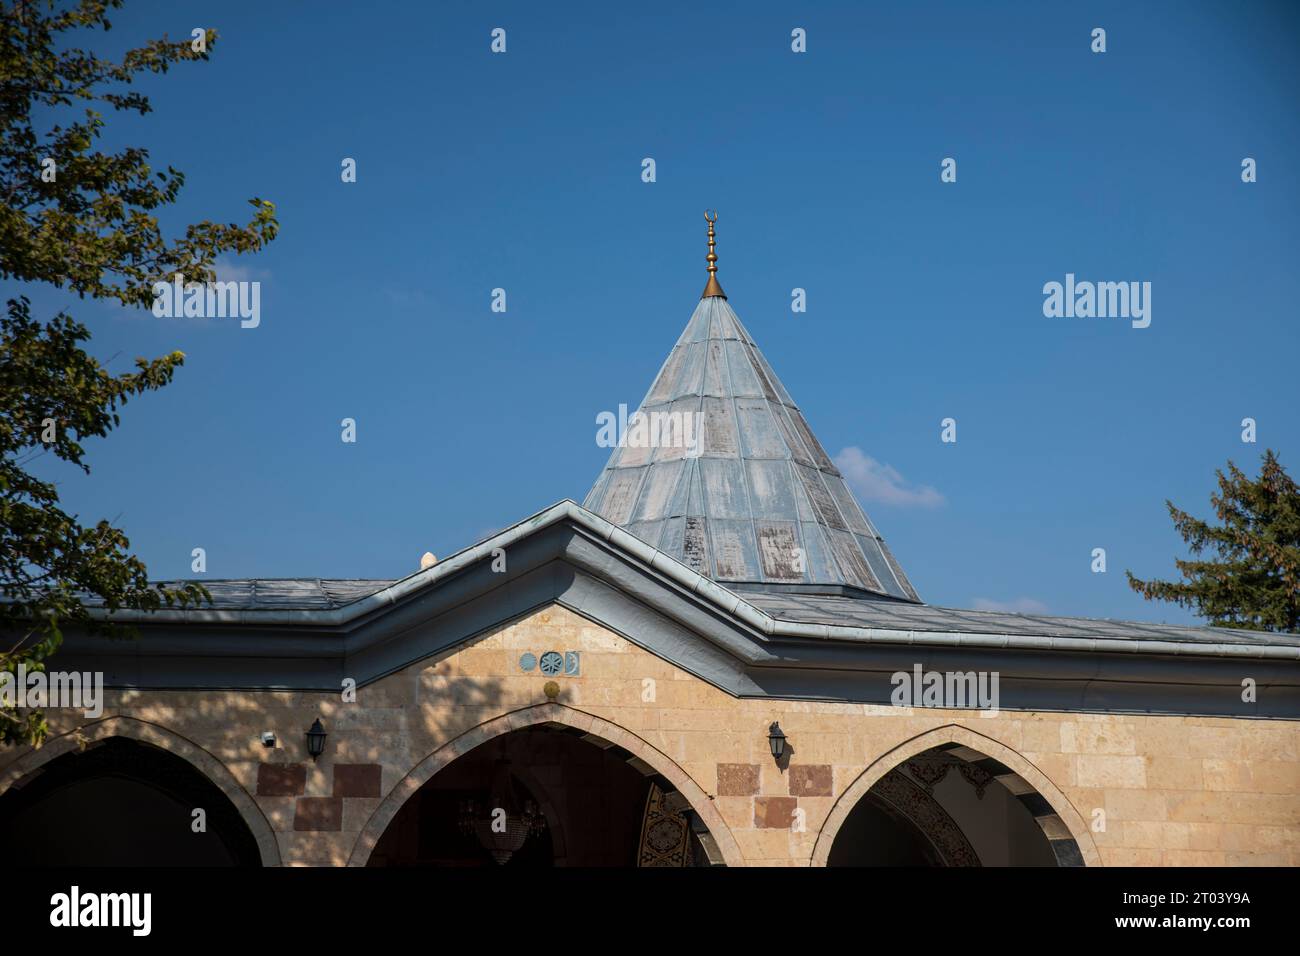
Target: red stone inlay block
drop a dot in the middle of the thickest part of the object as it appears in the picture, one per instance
(810, 780)
(318, 813)
(737, 779)
(356, 779)
(281, 779)
(774, 813)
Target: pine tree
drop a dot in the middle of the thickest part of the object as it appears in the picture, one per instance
(1252, 577)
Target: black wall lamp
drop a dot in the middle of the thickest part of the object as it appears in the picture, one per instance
(776, 741)
(316, 739)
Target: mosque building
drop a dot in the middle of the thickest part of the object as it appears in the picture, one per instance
(714, 660)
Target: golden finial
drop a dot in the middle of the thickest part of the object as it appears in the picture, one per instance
(712, 288)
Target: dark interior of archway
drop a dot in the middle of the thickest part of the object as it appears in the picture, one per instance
(940, 809)
(593, 801)
(874, 834)
(121, 803)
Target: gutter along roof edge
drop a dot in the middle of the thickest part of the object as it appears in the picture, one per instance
(708, 591)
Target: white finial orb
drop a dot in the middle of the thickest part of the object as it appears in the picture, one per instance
(428, 561)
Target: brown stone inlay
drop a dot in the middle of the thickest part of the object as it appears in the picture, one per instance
(281, 779)
(318, 813)
(737, 779)
(810, 780)
(774, 813)
(356, 779)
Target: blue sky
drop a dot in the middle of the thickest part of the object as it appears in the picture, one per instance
(523, 171)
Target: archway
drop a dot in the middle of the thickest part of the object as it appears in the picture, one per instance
(168, 765)
(122, 802)
(953, 797)
(590, 793)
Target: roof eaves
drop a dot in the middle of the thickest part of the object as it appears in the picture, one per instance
(707, 590)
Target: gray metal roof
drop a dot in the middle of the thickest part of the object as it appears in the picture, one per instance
(896, 615)
(299, 594)
(318, 601)
(761, 502)
(308, 594)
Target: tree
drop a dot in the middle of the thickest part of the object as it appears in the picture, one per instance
(82, 220)
(1253, 579)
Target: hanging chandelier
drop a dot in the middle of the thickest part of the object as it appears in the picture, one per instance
(504, 822)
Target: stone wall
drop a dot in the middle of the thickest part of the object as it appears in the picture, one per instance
(1129, 789)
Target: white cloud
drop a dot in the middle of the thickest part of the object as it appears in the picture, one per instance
(874, 481)
(1021, 605)
(228, 270)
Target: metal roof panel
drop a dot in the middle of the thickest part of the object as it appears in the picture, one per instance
(763, 482)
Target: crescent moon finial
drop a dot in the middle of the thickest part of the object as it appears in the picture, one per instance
(712, 258)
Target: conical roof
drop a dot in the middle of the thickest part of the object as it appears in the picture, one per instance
(754, 501)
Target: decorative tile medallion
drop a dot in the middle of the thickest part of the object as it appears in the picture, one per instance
(552, 663)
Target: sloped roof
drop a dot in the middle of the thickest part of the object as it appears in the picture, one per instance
(845, 614)
(928, 618)
(760, 501)
(298, 635)
(265, 594)
(332, 602)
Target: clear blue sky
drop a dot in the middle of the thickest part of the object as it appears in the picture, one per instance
(523, 171)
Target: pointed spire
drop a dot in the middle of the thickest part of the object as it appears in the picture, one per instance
(712, 288)
(741, 491)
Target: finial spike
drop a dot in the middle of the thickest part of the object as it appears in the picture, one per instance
(712, 288)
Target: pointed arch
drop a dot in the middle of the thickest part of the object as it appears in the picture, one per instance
(143, 731)
(1064, 828)
(545, 713)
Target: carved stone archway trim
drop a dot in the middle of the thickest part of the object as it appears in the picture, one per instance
(145, 732)
(911, 801)
(1064, 828)
(545, 713)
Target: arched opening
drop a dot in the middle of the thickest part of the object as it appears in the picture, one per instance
(122, 802)
(545, 795)
(953, 797)
(940, 809)
(947, 805)
(877, 834)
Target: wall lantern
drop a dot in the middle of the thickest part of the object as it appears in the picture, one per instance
(776, 740)
(316, 739)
